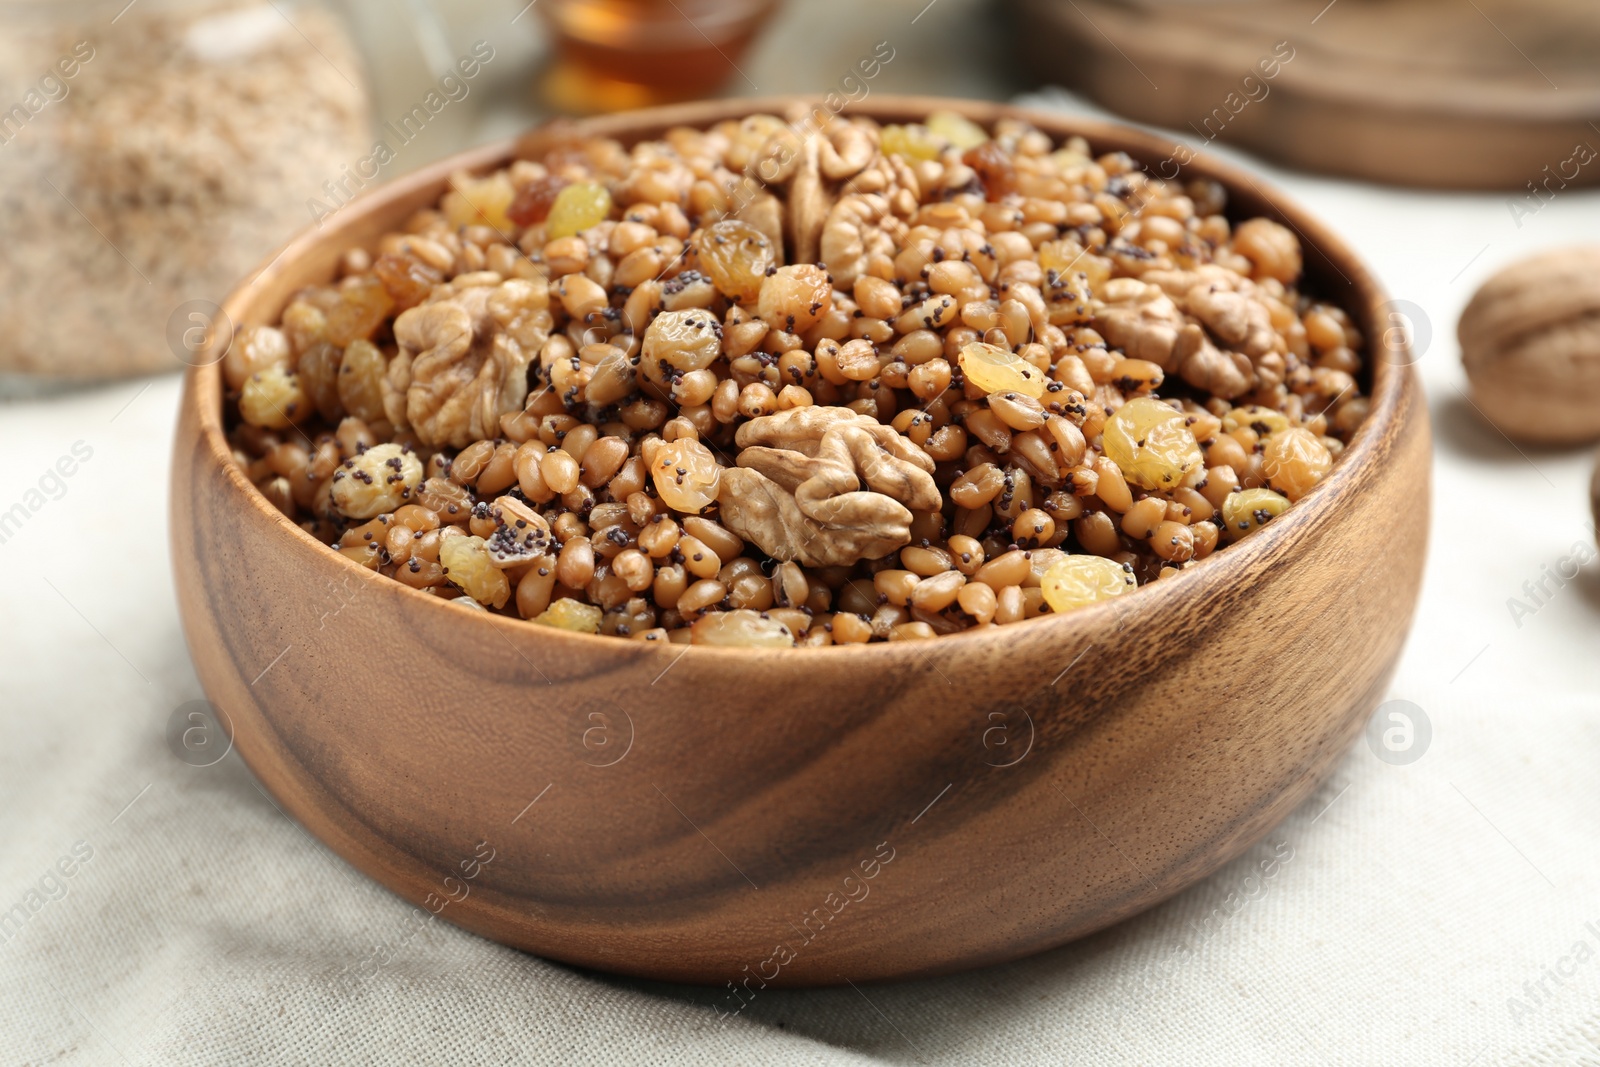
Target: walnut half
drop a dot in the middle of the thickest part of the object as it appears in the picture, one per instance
(463, 359)
(825, 486)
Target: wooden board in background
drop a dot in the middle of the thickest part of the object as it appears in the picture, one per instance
(1461, 94)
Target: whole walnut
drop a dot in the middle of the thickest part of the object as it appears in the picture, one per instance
(1530, 342)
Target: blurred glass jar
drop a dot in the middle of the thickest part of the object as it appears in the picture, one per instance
(617, 54)
(152, 154)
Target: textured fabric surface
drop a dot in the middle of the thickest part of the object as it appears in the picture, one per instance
(1442, 911)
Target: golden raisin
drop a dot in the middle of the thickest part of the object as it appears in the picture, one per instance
(407, 279)
(576, 208)
(998, 370)
(468, 566)
(684, 340)
(1294, 460)
(1078, 581)
(479, 202)
(737, 256)
(1152, 444)
(318, 368)
(363, 306)
(1250, 509)
(959, 130)
(569, 614)
(910, 142)
(686, 475)
(741, 628)
(273, 398)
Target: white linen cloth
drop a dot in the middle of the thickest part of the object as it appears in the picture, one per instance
(1444, 911)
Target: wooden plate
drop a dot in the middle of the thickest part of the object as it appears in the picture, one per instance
(801, 816)
(1476, 94)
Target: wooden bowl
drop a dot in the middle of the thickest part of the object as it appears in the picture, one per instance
(1409, 92)
(809, 816)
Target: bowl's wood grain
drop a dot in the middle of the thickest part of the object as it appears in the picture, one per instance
(694, 806)
(1414, 92)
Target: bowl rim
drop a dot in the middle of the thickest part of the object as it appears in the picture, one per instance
(1392, 379)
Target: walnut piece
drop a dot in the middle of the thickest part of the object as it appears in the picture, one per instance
(859, 226)
(1205, 366)
(809, 205)
(1530, 342)
(1160, 319)
(765, 212)
(1141, 320)
(845, 149)
(463, 360)
(1233, 318)
(826, 486)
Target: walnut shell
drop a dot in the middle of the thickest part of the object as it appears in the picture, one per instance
(1530, 342)
(1594, 496)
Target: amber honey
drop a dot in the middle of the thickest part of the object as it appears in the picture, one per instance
(615, 54)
